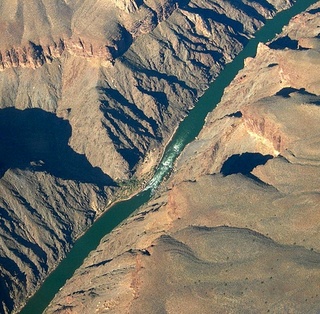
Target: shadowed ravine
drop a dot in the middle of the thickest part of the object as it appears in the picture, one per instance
(186, 132)
(38, 140)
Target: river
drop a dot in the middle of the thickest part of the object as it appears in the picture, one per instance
(188, 129)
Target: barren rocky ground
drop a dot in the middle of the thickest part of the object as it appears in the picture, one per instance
(97, 86)
(236, 228)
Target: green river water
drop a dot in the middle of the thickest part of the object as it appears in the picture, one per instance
(187, 131)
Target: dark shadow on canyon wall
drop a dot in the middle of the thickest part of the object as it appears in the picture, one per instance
(243, 163)
(38, 140)
(303, 96)
(284, 42)
(314, 11)
(286, 91)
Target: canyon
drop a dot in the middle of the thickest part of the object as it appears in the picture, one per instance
(235, 228)
(101, 87)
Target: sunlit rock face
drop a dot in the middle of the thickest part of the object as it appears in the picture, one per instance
(90, 93)
(122, 82)
(235, 230)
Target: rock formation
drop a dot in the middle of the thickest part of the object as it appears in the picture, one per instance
(90, 93)
(236, 228)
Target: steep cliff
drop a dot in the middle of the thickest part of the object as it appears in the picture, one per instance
(235, 230)
(90, 94)
(119, 73)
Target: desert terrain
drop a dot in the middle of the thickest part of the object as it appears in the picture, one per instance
(91, 93)
(235, 229)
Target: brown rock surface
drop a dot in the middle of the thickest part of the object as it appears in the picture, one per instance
(107, 82)
(151, 71)
(236, 228)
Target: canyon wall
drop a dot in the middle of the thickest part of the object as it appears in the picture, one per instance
(236, 227)
(90, 93)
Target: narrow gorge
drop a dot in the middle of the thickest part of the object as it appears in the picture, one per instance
(235, 228)
(91, 93)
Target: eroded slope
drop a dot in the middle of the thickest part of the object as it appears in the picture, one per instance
(97, 89)
(236, 229)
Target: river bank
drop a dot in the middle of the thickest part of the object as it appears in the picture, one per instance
(236, 241)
